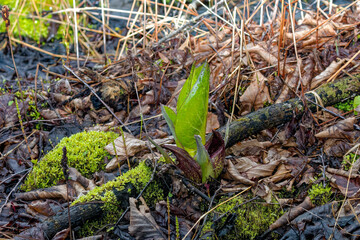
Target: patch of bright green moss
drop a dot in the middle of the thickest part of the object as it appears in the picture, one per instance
(319, 194)
(138, 177)
(34, 28)
(253, 218)
(85, 152)
(345, 106)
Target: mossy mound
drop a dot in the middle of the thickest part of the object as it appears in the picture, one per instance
(32, 27)
(138, 177)
(252, 220)
(85, 152)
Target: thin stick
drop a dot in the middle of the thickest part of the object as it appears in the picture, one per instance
(46, 52)
(76, 34)
(103, 27)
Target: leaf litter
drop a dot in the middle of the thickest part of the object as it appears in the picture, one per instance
(260, 64)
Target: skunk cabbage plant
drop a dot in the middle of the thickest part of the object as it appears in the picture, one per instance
(198, 160)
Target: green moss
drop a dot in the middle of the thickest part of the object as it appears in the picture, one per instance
(349, 160)
(138, 177)
(319, 194)
(85, 152)
(34, 28)
(253, 218)
(345, 106)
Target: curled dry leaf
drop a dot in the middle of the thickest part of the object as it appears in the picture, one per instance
(58, 97)
(142, 224)
(292, 213)
(249, 148)
(256, 94)
(268, 57)
(41, 207)
(75, 175)
(292, 81)
(327, 73)
(63, 86)
(58, 191)
(343, 129)
(348, 187)
(133, 146)
(48, 114)
(232, 173)
(336, 147)
(135, 112)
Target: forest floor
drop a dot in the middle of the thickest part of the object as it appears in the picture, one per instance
(79, 114)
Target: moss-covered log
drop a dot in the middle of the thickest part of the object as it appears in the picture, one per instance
(109, 200)
(281, 113)
(79, 215)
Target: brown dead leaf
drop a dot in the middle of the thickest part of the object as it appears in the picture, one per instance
(48, 114)
(343, 129)
(249, 148)
(292, 80)
(8, 111)
(292, 213)
(268, 57)
(250, 170)
(131, 147)
(282, 173)
(41, 207)
(256, 94)
(348, 187)
(262, 170)
(233, 173)
(142, 224)
(58, 191)
(212, 122)
(327, 73)
(336, 147)
(75, 175)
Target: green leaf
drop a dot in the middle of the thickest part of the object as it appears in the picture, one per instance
(356, 103)
(203, 159)
(190, 82)
(191, 115)
(170, 118)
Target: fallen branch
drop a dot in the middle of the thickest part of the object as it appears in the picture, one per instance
(281, 113)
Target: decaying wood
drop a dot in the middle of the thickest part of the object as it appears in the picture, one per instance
(79, 214)
(281, 113)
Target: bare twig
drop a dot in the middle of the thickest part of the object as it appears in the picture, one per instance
(185, 26)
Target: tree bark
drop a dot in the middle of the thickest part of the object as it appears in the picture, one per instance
(281, 113)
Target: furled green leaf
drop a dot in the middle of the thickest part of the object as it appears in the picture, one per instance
(191, 115)
(203, 159)
(185, 91)
(356, 103)
(170, 118)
